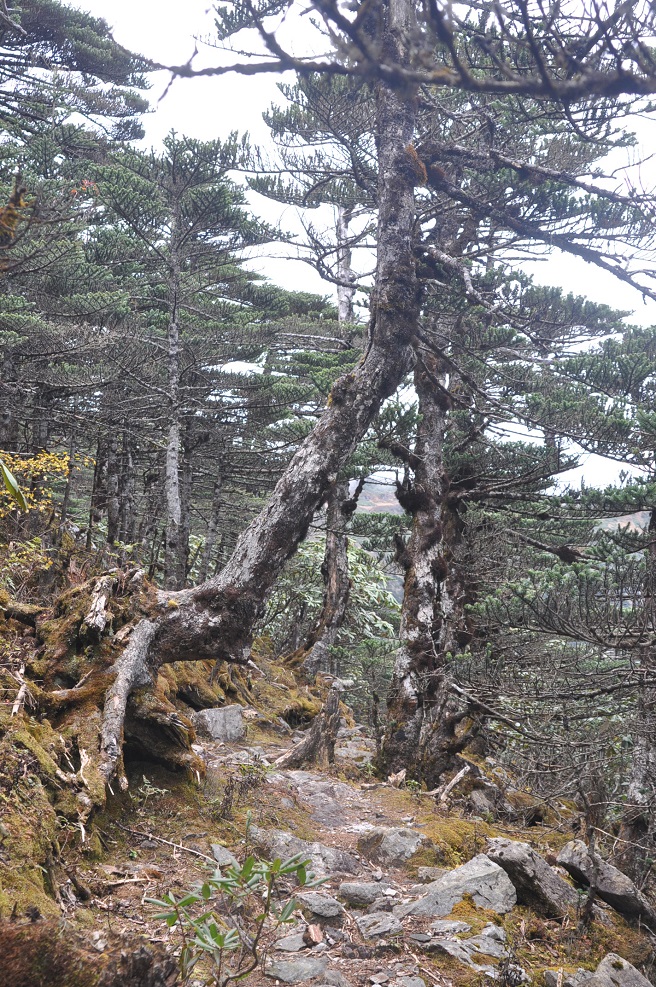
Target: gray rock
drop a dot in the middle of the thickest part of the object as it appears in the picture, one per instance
(426, 874)
(494, 932)
(223, 723)
(454, 948)
(381, 905)
(485, 881)
(480, 804)
(223, 856)
(569, 979)
(449, 927)
(323, 859)
(536, 883)
(297, 971)
(320, 904)
(615, 971)
(470, 951)
(327, 798)
(611, 884)
(411, 982)
(333, 978)
(361, 892)
(378, 924)
(485, 945)
(392, 846)
(292, 944)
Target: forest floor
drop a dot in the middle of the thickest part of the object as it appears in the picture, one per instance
(163, 833)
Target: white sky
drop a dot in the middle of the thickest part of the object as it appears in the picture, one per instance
(210, 108)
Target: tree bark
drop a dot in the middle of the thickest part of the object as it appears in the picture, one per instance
(173, 577)
(337, 584)
(212, 527)
(318, 747)
(638, 822)
(345, 287)
(335, 560)
(422, 713)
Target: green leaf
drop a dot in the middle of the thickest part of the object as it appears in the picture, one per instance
(12, 487)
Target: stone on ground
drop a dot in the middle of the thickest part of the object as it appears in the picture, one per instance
(322, 905)
(379, 924)
(535, 882)
(392, 846)
(486, 882)
(297, 971)
(361, 892)
(611, 884)
(221, 723)
(323, 859)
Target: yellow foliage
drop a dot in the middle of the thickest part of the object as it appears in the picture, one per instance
(33, 474)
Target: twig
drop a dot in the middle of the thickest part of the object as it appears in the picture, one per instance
(454, 781)
(20, 699)
(160, 839)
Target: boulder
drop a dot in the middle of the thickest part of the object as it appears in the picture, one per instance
(486, 882)
(379, 924)
(323, 859)
(291, 944)
(449, 927)
(223, 856)
(617, 972)
(297, 971)
(222, 723)
(611, 884)
(392, 846)
(428, 874)
(361, 892)
(535, 882)
(322, 905)
(613, 971)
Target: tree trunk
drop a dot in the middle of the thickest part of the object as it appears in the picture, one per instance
(214, 620)
(112, 488)
(422, 713)
(334, 568)
(318, 747)
(173, 507)
(127, 492)
(345, 287)
(173, 576)
(337, 584)
(212, 528)
(635, 848)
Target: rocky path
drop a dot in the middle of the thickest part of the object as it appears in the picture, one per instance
(383, 917)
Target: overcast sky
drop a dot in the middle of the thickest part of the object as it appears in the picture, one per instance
(165, 30)
(209, 108)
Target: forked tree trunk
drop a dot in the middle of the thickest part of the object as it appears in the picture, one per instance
(214, 620)
(422, 712)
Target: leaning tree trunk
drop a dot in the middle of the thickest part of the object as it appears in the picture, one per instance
(214, 620)
(422, 712)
